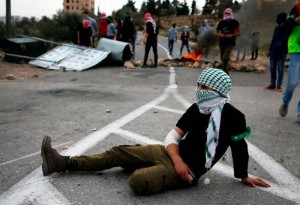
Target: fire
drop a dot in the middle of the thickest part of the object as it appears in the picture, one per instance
(193, 56)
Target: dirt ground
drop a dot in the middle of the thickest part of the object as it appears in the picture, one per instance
(19, 71)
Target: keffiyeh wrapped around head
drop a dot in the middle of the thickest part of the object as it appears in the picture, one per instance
(228, 14)
(217, 80)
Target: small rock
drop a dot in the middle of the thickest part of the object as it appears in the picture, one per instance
(108, 111)
(129, 65)
(10, 77)
(65, 147)
(206, 181)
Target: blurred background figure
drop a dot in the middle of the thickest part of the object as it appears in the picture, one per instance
(277, 53)
(111, 29)
(128, 29)
(93, 25)
(205, 37)
(242, 43)
(172, 37)
(255, 43)
(119, 30)
(185, 37)
(102, 26)
(84, 34)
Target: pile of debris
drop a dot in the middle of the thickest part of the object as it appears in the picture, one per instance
(260, 66)
(195, 59)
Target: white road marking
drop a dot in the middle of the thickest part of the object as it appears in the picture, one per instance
(280, 174)
(27, 156)
(136, 137)
(169, 109)
(35, 186)
(33, 189)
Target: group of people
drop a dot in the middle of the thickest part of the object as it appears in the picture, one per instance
(184, 37)
(89, 30)
(285, 41)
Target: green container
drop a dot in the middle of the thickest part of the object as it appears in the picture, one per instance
(22, 45)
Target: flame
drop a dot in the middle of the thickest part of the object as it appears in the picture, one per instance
(193, 56)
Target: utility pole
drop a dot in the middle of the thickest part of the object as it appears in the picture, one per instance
(8, 18)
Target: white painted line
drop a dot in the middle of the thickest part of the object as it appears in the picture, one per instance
(167, 51)
(36, 187)
(275, 189)
(169, 109)
(27, 156)
(278, 172)
(136, 137)
(33, 189)
(91, 140)
(181, 100)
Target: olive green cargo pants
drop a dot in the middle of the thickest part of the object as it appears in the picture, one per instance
(153, 172)
(225, 52)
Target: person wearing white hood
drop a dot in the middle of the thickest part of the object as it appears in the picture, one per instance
(227, 30)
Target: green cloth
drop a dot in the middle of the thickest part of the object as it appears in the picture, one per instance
(294, 40)
(246, 134)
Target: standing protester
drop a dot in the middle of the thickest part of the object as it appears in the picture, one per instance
(204, 37)
(199, 139)
(185, 37)
(255, 35)
(227, 30)
(150, 38)
(277, 53)
(128, 29)
(111, 29)
(119, 30)
(93, 24)
(203, 28)
(242, 42)
(172, 37)
(294, 67)
(84, 34)
(134, 36)
(102, 26)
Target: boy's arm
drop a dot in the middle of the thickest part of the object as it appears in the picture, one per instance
(171, 144)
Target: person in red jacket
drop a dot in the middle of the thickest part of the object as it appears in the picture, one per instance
(102, 26)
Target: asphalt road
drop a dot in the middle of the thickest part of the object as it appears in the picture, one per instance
(91, 111)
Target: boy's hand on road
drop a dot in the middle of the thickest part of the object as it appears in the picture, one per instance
(254, 181)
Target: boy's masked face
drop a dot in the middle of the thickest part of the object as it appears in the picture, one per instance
(205, 95)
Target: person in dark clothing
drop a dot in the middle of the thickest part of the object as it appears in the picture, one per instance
(255, 35)
(277, 53)
(150, 38)
(199, 139)
(128, 29)
(119, 28)
(185, 37)
(227, 30)
(85, 34)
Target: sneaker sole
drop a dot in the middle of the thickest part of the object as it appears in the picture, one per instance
(45, 163)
